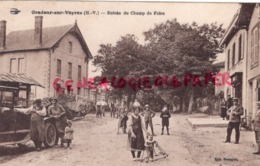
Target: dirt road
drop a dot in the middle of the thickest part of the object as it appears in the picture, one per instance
(96, 143)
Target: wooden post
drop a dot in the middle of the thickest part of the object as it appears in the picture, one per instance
(28, 91)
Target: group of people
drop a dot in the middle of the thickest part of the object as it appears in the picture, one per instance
(101, 108)
(233, 114)
(38, 111)
(137, 129)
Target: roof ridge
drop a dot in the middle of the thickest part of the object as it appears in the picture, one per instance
(42, 28)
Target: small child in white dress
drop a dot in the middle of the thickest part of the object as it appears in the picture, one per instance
(68, 137)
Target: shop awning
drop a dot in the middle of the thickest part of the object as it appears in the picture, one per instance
(22, 79)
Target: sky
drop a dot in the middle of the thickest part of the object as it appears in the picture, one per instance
(108, 28)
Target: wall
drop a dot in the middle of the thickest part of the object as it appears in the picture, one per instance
(77, 57)
(218, 89)
(35, 66)
(253, 73)
(239, 66)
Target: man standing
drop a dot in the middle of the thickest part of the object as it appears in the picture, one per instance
(234, 113)
(112, 109)
(58, 112)
(37, 112)
(256, 123)
(98, 109)
(122, 115)
(148, 115)
(229, 102)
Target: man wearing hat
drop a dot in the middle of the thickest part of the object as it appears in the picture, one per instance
(37, 112)
(148, 115)
(256, 123)
(59, 113)
(234, 113)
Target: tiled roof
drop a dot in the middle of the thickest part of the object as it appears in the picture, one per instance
(18, 78)
(24, 40)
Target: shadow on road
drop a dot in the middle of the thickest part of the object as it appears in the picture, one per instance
(10, 152)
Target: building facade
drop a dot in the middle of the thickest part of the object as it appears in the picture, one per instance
(241, 43)
(253, 63)
(56, 57)
(235, 49)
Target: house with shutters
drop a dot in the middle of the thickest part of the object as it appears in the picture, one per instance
(242, 48)
(50, 55)
(235, 46)
(253, 62)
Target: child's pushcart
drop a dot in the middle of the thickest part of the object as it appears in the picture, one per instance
(157, 154)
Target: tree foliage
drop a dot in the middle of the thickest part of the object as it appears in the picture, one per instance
(171, 49)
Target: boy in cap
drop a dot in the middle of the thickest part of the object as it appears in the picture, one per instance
(234, 113)
(148, 115)
(165, 115)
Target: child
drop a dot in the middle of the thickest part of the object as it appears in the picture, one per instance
(123, 121)
(149, 146)
(165, 115)
(68, 134)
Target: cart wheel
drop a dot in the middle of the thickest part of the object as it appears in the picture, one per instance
(50, 135)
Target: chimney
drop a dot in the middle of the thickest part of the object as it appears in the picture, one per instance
(2, 34)
(38, 30)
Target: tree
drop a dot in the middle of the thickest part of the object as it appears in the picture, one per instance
(122, 60)
(171, 49)
(176, 48)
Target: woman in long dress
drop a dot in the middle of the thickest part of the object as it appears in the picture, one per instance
(135, 135)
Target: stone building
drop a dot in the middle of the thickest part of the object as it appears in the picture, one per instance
(242, 48)
(253, 61)
(235, 42)
(46, 54)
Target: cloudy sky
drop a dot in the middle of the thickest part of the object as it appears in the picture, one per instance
(104, 28)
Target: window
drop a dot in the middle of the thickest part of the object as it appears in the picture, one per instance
(21, 68)
(13, 65)
(258, 94)
(228, 59)
(240, 48)
(17, 65)
(70, 70)
(79, 72)
(70, 47)
(233, 54)
(254, 47)
(78, 91)
(258, 90)
(69, 90)
(59, 67)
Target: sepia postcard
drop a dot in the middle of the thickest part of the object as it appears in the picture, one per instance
(127, 83)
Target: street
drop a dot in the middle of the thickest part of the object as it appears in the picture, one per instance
(96, 143)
